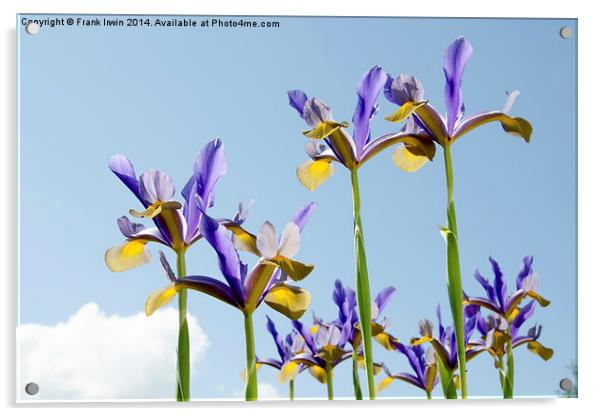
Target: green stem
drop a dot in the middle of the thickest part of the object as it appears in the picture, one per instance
(329, 381)
(428, 395)
(357, 387)
(183, 364)
(251, 390)
(291, 390)
(508, 385)
(454, 286)
(364, 301)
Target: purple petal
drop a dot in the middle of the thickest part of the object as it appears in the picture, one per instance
(307, 336)
(481, 325)
(137, 231)
(525, 313)
(166, 266)
(297, 99)
(301, 216)
(403, 88)
(156, 185)
(211, 287)
(383, 298)
(486, 285)
(525, 271)
(316, 111)
(277, 340)
(271, 362)
(123, 169)
(370, 85)
(499, 284)
(412, 359)
(454, 61)
(192, 212)
(128, 228)
(209, 166)
(229, 262)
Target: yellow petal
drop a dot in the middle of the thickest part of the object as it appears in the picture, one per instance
(384, 384)
(540, 299)
(324, 129)
(159, 298)
(385, 340)
(126, 256)
(404, 111)
(313, 173)
(293, 269)
(288, 372)
(407, 161)
(291, 301)
(318, 372)
(155, 209)
(418, 341)
(536, 348)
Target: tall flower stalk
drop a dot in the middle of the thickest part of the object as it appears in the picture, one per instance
(407, 92)
(330, 143)
(175, 226)
(246, 290)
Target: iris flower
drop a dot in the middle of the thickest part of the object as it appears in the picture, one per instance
(292, 344)
(424, 366)
(331, 143)
(445, 345)
(407, 93)
(175, 226)
(347, 321)
(326, 345)
(500, 332)
(244, 289)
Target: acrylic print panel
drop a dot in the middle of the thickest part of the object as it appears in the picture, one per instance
(387, 201)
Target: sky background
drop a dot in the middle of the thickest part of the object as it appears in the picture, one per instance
(158, 95)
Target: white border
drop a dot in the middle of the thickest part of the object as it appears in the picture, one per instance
(590, 221)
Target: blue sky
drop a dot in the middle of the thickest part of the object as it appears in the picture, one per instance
(158, 95)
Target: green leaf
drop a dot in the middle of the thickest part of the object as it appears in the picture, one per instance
(183, 365)
(447, 380)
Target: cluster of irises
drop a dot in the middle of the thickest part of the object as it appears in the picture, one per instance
(492, 324)
(323, 345)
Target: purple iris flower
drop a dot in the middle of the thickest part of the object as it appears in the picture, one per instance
(175, 226)
(244, 289)
(444, 341)
(407, 92)
(330, 141)
(496, 332)
(509, 312)
(292, 344)
(325, 348)
(423, 364)
(348, 322)
(497, 298)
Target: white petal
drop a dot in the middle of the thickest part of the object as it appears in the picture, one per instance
(510, 100)
(156, 185)
(290, 242)
(266, 240)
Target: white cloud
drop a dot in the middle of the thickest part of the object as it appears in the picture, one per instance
(264, 391)
(97, 356)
